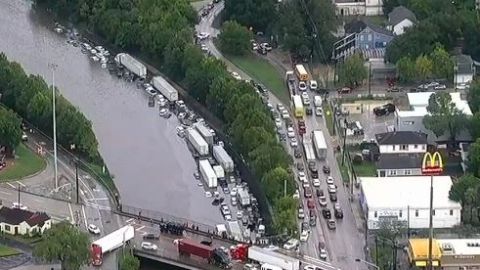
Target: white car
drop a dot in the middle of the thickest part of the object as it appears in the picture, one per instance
(239, 215)
(293, 142)
(304, 236)
(236, 76)
(316, 182)
(93, 229)
(208, 194)
(332, 189)
(306, 101)
(149, 246)
(19, 206)
(204, 48)
(462, 86)
(278, 122)
(318, 111)
(290, 132)
(203, 35)
(305, 95)
(291, 244)
(280, 107)
(305, 184)
(163, 112)
(233, 192)
(302, 178)
(323, 254)
(285, 115)
(309, 267)
(296, 195)
(313, 85)
(302, 86)
(301, 213)
(330, 180)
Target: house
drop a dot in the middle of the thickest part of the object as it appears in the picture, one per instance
(401, 142)
(412, 119)
(370, 39)
(464, 69)
(389, 165)
(406, 199)
(358, 7)
(399, 19)
(17, 221)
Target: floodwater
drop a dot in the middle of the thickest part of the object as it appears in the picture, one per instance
(152, 166)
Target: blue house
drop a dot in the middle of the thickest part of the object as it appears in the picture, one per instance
(370, 39)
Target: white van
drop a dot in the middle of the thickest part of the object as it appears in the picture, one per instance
(267, 266)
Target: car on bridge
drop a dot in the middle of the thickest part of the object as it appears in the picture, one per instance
(92, 228)
(149, 246)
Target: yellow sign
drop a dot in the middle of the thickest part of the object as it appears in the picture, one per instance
(432, 164)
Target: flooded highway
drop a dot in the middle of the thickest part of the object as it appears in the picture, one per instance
(152, 166)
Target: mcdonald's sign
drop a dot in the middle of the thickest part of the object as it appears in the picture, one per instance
(432, 164)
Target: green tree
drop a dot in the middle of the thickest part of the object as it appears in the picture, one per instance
(234, 39)
(257, 14)
(474, 158)
(423, 67)
(470, 198)
(473, 96)
(353, 71)
(277, 182)
(199, 78)
(444, 117)
(406, 69)
(129, 262)
(291, 29)
(442, 63)
(10, 131)
(285, 215)
(475, 125)
(174, 54)
(460, 187)
(66, 244)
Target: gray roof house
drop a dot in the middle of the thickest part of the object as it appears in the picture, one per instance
(399, 19)
(464, 69)
(370, 39)
(399, 165)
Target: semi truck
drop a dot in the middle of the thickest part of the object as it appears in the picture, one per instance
(269, 257)
(290, 81)
(215, 256)
(165, 88)
(219, 172)
(235, 230)
(131, 64)
(298, 106)
(110, 242)
(207, 172)
(223, 158)
(200, 145)
(308, 148)
(205, 132)
(320, 144)
(243, 197)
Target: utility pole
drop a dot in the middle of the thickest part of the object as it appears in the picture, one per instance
(376, 250)
(18, 195)
(430, 238)
(369, 77)
(344, 141)
(54, 67)
(76, 181)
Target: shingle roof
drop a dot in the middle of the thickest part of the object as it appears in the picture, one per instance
(401, 137)
(378, 29)
(399, 161)
(38, 219)
(358, 25)
(400, 13)
(15, 216)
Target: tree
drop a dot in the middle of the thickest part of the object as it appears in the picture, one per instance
(475, 126)
(444, 117)
(473, 96)
(234, 39)
(291, 29)
(129, 262)
(66, 244)
(255, 14)
(276, 182)
(442, 63)
(423, 67)
(353, 71)
(470, 197)
(459, 188)
(10, 131)
(406, 69)
(285, 215)
(474, 158)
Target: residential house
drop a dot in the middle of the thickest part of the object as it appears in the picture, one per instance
(371, 40)
(389, 165)
(412, 119)
(464, 69)
(406, 200)
(16, 221)
(399, 19)
(359, 7)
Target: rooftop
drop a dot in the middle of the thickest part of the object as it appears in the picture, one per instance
(15, 216)
(464, 64)
(419, 249)
(401, 137)
(419, 102)
(358, 25)
(399, 14)
(459, 246)
(397, 192)
(400, 161)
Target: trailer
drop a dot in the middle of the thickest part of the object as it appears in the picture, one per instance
(208, 173)
(205, 132)
(216, 256)
(165, 88)
(110, 242)
(308, 148)
(200, 145)
(290, 81)
(131, 64)
(235, 231)
(320, 144)
(298, 106)
(219, 172)
(265, 256)
(223, 158)
(243, 197)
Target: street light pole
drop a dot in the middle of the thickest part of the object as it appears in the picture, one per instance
(430, 237)
(54, 67)
(76, 181)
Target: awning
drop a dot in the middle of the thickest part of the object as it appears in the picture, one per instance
(424, 263)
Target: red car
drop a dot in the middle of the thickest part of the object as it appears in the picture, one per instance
(311, 204)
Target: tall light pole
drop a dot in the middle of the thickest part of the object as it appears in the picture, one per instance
(54, 67)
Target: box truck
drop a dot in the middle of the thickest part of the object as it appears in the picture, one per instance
(320, 144)
(200, 145)
(131, 64)
(110, 242)
(308, 148)
(207, 173)
(165, 88)
(223, 158)
(219, 172)
(265, 256)
(205, 132)
(243, 197)
(215, 256)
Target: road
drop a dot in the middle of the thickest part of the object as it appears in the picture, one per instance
(346, 243)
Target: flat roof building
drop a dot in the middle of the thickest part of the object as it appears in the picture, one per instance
(407, 199)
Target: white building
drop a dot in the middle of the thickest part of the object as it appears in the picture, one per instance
(358, 7)
(16, 221)
(412, 120)
(464, 69)
(407, 199)
(402, 142)
(400, 19)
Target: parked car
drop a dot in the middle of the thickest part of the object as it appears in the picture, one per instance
(304, 236)
(332, 225)
(301, 213)
(308, 110)
(92, 228)
(344, 90)
(302, 86)
(338, 213)
(440, 87)
(326, 213)
(333, 197)
(322, 250)
(291, 244)
(297, 153)
(326, 169)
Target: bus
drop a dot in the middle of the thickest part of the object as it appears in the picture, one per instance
(298, 106)
(301, 72)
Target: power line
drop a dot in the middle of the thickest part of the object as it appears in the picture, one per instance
(314, 28)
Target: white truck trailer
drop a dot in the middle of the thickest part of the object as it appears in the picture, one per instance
(243, 197)
(223, 158)
(235, 230)
(265, 256)
(165, 88)
(110, 242)
(207, 172)
(200, 145)
(219, 172)
(131, 64)
(308, 148)
(320, 144)
(205, 132)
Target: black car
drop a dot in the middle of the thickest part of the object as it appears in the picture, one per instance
(261, 51)
(305, 226)
(312, 165)
(297, 153)
(338, 213)
(326, 169)
(326, 213)
(314, 173)
(309, 111)
(333, 197)
(300, 166)
(151, 236)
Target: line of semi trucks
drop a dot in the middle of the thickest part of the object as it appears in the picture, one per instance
(222, 257)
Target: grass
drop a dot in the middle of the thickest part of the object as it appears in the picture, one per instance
(26, 163)
(343, 169)
(262, 71)
(367, 168)
(328, 113)
(25, 239)
(8, 251)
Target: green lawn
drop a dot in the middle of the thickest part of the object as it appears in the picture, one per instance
(343, 169)
(8, 251)
(367, 168)
(26, 163)
(327, 111)
(263, 72)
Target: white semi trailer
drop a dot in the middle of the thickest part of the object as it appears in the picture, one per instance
(207, 173)
(131, 64)
(165, 88)
(200, 145)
